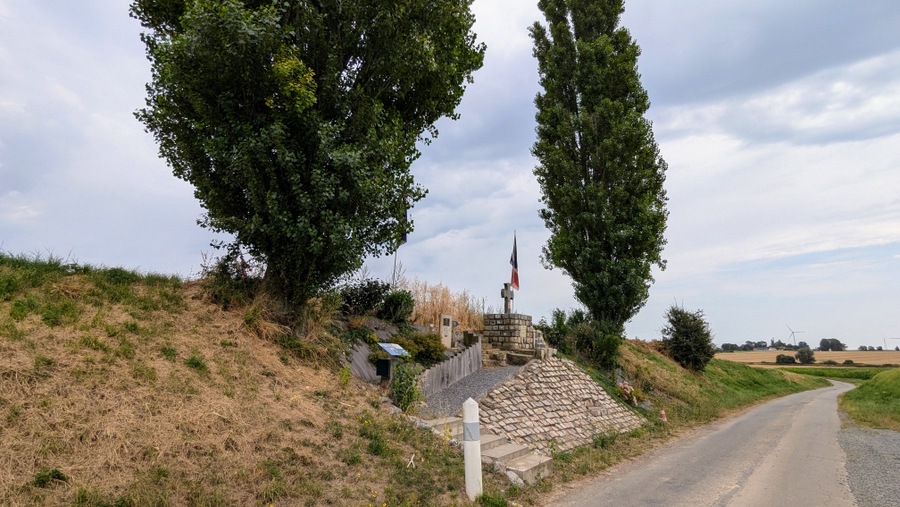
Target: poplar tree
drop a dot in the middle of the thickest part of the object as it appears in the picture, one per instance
(599, 168)
(297, 120)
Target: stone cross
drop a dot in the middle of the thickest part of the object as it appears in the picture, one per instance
(508, 295)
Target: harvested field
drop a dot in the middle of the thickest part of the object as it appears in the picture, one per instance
(876, 358)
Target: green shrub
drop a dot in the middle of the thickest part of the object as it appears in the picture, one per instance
(687, 338)
(805, 356)
(233, 279)
(9, 286)
(784, 359)
(830, 362)
(397, 307)
(47, 476)
(405, 392)
(197, 363)
(360, 297)
(848, 362)
(599, 347)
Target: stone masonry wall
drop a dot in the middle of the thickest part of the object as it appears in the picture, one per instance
(552, 402)
(509, 331)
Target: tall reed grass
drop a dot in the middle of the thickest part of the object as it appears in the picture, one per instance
(432, 300)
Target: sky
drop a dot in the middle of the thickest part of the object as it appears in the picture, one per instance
(779, 121)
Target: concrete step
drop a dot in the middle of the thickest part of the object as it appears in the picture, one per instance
(531, 467)
(490, 441)
(504, 453)
(446, 425)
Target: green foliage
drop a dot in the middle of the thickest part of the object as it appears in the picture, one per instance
(492, 500)
(297, 122)
(604, 440)
(344, 377)
(47, 476)
(197, 363)
(232, 280)
(876, 403)
(558, 332)
(168, 352)
(600, 347)
(424, 348)
(784, 359)
(363, 296)
(21, 308)
(404, 391)
(398, 307)
(831, 344)
(805, 355)
(848, 373)
(848, 362)
(599, 167)
(687, 338)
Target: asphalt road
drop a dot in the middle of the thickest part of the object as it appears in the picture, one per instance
(782, 453)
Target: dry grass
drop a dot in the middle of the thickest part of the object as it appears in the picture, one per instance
(193, 405)
(876, 358)
(432, 300)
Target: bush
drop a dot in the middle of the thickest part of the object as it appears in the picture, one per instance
(688, 339)
(363, 296)
(405, 392)
(848, 362)
(830, 362)
(784, 359)
(234, 279)
(805, 356)
(597, 346)
(397, 307)
(424, 348)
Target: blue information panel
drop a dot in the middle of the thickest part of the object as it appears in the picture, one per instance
(393, 349)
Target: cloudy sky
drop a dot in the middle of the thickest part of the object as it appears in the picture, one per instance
(780, 122)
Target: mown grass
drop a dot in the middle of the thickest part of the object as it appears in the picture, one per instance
(876, 402)
(838, 373)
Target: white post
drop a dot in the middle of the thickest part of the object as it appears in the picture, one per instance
(472, 449)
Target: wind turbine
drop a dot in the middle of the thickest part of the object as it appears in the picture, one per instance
(793, 333)
(885, 341)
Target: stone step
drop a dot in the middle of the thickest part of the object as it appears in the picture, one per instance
(531, 467)
(490, 441)
(445, 425)
(504, 453)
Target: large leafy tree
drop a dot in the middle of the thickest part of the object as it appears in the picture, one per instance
(297, 121)
(599, 168)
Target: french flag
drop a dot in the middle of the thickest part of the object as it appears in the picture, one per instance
(514, 261)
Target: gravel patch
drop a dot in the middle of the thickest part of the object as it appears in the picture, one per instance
(449, 401)
(873, 465)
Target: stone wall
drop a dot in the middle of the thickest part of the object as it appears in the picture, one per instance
(509, 331)
(553, 403)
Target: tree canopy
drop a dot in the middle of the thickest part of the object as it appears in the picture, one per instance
(599, 167)
(297, 121)
(687, 338)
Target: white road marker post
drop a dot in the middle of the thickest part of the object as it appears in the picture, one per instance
(472, 449)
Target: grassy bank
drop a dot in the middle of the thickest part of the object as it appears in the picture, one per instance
(130, 389)
(876, 402)
(837, 373)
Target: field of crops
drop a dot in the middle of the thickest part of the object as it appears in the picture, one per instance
(884, 357)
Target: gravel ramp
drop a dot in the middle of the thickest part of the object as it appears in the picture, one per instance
(449, 401)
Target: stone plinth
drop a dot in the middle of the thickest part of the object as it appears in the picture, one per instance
(509, 331)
